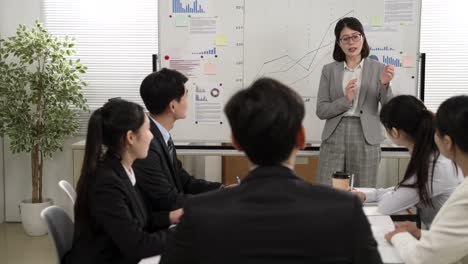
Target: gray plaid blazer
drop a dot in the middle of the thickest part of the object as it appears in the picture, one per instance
(332, 104)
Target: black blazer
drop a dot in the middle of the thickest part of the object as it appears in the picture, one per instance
(273, 216)
(121, 228)
(164, 186)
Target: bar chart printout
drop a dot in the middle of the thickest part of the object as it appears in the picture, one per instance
(184, 7)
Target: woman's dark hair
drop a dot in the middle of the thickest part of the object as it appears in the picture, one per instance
(354, 24)
(410, 115)
(107, 126)
(452, 120)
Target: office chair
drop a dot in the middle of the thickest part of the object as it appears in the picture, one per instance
(60, 228)
(68, 189)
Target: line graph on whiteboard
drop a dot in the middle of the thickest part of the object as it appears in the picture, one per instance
(300, 49)
(306, 64)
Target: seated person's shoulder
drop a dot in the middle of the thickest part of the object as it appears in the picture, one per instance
(217, 199)
(104, 170)
(328, 192)
(443, 163)
(330, 198)
(213, 195)
(105, 176)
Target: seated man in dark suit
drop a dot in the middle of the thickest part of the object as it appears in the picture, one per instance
(161, 178)
(273, 216)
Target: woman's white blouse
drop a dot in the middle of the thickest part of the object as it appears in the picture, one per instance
(446, 178)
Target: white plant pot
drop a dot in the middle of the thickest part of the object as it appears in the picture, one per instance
(33, 225)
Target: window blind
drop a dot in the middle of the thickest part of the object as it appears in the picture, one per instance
(444, 38)
(114, 39)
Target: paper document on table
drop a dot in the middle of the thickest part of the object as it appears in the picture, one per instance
(371, 210)
(380, 226)
(381, 221)
(386, 250)
(388, 253)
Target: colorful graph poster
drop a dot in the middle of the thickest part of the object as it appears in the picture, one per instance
(208, 103)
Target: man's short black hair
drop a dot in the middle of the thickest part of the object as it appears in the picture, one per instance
(159, 88)
(265, 120)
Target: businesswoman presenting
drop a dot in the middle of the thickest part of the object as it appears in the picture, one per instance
(349, 93)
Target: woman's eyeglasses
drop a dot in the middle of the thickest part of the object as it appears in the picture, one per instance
(348, 39)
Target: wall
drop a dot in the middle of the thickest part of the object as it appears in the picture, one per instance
(14, 12)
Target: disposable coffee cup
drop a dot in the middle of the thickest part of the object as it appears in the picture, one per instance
(341, 180)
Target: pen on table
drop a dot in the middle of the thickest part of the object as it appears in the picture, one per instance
(238, 180)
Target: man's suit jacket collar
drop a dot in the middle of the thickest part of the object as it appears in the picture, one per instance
(159, 145)
(158, 139)
(270, 172)
(164, 133)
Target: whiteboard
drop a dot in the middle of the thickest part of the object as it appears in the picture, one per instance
(223, 46)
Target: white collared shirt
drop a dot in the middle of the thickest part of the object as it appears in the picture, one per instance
(284, 164)
(348, 75)
(130, 174)
(163, 130)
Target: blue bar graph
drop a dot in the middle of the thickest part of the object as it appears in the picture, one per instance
(206, 52)
(194, 9)
(385, 48)
(392, 61)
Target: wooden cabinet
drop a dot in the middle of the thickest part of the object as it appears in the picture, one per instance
(78, 156)
(233, 166)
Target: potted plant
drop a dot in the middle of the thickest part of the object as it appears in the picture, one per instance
(40, 96)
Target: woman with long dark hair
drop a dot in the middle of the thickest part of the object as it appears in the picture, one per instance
(349, 94)
(429, 178)
(447, 240)
(112, 223)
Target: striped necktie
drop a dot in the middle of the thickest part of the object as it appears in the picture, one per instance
(171, 149)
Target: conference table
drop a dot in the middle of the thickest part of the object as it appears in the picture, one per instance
(381, 225)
